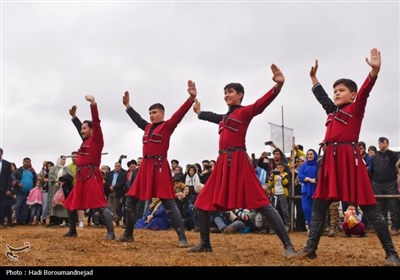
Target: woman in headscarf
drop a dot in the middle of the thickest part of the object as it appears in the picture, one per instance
(57, 212)
(308, 180)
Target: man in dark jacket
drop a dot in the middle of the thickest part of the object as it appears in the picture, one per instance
(384, 181)
(5, 185)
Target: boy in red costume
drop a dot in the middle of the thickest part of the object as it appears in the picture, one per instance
(88, 192)
(233, 182)
(343, 174)
(154, 177)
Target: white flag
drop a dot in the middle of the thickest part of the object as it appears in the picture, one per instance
(282, 138)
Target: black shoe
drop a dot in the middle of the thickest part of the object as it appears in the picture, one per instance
(347, 235)
(289, 252)
(306, 254)
(110, 236)
(182, 242)
(124, 238)
(71, 234)
(362, 235)
(10, 225)
(200, 249)
(393, 260)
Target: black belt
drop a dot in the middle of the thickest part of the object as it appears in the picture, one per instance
(91, 171)
(158, 162)
(335, 144)
(229, 151)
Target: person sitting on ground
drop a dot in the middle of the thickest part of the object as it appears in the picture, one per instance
(156, 217)
(352, 224)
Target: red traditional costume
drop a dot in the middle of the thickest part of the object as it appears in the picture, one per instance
(88, 192)
(233, 182)
(343, 174)
(154, 177)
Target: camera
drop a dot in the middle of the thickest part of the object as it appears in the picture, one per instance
(123, 156)
(268, 143)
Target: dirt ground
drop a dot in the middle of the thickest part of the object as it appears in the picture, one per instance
(159, 248)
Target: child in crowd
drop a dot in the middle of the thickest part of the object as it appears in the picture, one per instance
(279, 182)
(352, 222)
(35, 201)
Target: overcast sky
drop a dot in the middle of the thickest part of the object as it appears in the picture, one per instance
(52, 54)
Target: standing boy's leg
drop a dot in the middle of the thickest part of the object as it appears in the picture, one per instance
(131, 215)
(316, 228)
(381, 229)
(73, 218)
(276, 223)
(107, 216)
(203, 218)
(176, 219)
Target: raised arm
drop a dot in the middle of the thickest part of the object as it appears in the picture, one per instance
(313, 73)
(277, 77)
(366, 87)
(97, 132)
(135, 117)
(319, 92)
(177, 117)
(192, 90)
(374, 62)
(206, 116)
(259, 106)
(75, 120)
(197, 106)
(95, 113)
(91, 99)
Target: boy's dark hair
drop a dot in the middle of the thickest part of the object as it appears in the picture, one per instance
(175, 161)
(383, 139)
(372, 148)
(89, 123)
(236, 86)
(157, 106)
(351, 85)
